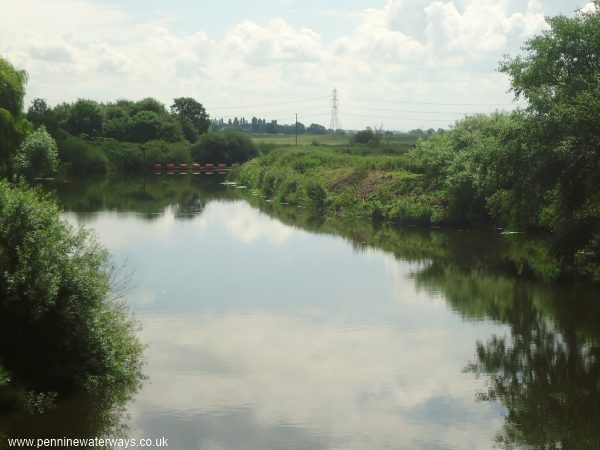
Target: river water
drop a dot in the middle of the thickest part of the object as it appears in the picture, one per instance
(271, 328)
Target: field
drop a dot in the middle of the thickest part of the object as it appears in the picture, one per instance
(324, 139)
(303, 139)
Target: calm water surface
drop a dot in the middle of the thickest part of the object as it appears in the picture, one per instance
(265, 335)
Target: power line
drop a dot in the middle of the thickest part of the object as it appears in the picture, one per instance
(405, 102)
(282, 112)
(420, 119)
(269, 104)
(410, 111)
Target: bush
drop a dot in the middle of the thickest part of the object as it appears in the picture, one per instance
(82, 158)
(37, 156)
(367, 137)
(223, 147)
(60, 328)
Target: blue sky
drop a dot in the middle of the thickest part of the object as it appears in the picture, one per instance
(400, 64)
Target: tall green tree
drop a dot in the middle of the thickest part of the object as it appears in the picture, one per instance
(192, 115)
(85, 117)
(559, 75)
(39, 113)
(13, 126)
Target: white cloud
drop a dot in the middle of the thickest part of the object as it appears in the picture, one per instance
(433, 51)
(278, 42)
(484, 27)
(588, 8)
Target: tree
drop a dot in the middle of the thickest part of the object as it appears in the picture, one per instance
(60, 327)
(148, 104)
(39, 113)
(12, 87)
(367, 137)
(13, 126)
(37, 156)
(189, 111)
(144, 126)
(315, 128)
(559, 75)
(85, 117)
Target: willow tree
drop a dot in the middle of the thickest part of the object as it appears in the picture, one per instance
(13, 125)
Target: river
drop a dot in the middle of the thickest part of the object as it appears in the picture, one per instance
(272, 328)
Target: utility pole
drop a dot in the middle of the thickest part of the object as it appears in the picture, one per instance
(296, 128)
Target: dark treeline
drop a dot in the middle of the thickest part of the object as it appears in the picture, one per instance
(125, 120)
(256, 125)
(262, 126)
(130, 136)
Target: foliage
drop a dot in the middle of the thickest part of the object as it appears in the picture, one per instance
(144, 126)
(37, 156)
(12, 87)
(60, 326)
(40, 114)
(560, 77)
(368, 137)
(82, 157)
(315, 128)
(329, 179)
(85, 117)
(257, 125)
(13, 127)
(147, 104)
(224, 147)
(192, 115)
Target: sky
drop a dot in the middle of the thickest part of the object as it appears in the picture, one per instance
(396, 64)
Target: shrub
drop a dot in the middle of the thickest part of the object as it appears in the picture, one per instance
(80, 157)
(368, 137)
(223, 147)
(37, 156)
(60, 327)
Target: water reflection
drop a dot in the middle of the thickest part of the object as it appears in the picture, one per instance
(147, 196)
(259, 378)
(271, 333)
(547, 373)
(87, 416)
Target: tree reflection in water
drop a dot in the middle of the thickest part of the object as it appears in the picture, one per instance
(548, 379)
(88, 415)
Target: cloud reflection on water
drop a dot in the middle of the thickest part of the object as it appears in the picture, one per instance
(347, 387)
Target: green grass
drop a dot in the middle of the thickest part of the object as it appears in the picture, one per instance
(283, 140)
(338, 182)
(303, 139)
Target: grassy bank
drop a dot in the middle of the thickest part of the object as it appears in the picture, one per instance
(336, 181)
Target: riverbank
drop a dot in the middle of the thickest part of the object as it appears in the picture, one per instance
(326, 179)
(466, 178)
